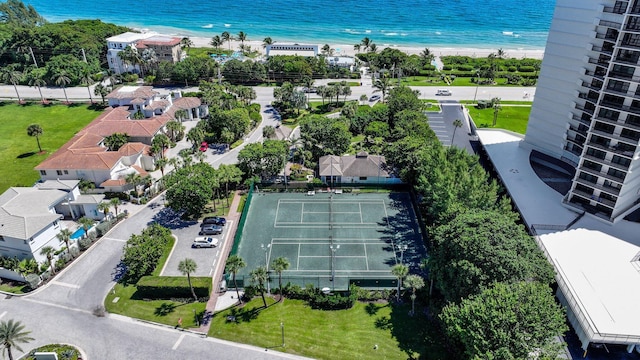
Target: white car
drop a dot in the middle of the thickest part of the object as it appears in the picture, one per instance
(205, 242)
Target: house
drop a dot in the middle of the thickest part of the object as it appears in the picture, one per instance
(361, 168)
(292, 49)
(85, 156)
(166, 48)
(76, 205)
(346, 62)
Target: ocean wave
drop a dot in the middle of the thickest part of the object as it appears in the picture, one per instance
(367, 31)
(507, 33)
(391, 34)
(208, 26)
(438, 33)
(227, 25)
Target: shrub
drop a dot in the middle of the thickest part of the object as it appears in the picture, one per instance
(84, 243)
(334, 301)
(465, 68)
(167, 287)
(512, 69)
(446, 67)
(527, 69)
(120, 195)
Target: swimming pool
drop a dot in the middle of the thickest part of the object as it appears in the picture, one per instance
(78, 233)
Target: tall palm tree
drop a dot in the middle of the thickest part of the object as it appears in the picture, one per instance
(415, 282)
(86, 79)
(427, 56)
(373, 48)
(365, 44)
(127, 56)
(216, 41)
(11, 334)
(175, 128)
(456, 124)
(65, 236)
(181, 114)
(259, 277)
(104, 207)
(186, 267)
(242, 36)
(382, 84)
(86, 223)
(229, 174)
(102, 91)
(48, 252)
(10, 75)
(399, 271)
(357, 47)
(186, 43)
(61, 79)
(226, 38)
(115, 202)
(279, 265)
(35, 130)
(161, 164)
(267, 41)
(36, 78)
(234, 264)
(496, 109)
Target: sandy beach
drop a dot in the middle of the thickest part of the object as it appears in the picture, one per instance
(347, 49)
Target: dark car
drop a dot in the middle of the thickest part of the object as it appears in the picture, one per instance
(211, 229)
(374, 98)
(215, 220)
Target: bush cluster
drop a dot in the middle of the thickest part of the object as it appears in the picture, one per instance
(166, 287)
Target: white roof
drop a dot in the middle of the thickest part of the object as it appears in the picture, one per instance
(601, 276)
(131, 37)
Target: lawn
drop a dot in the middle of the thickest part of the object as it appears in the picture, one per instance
(339, 334)
(19, 152)
(512, 118)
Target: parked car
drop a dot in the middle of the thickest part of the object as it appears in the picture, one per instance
(215, 220)
(211, 229)
(204, 146)
(443, 92)
(374, 98)
(205, 242)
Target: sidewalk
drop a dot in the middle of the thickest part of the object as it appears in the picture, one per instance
(219, 301)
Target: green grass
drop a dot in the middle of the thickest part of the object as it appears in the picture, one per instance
(243, 201)
(164, 257)
(341, 334)
(59, 349)
(19, 152)
(161, 311)
(512, 118)
(15, 289)
(502, 102)
(436, 81)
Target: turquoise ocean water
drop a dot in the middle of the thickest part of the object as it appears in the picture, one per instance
(428, 23)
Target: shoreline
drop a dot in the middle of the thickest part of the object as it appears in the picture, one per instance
(347, 49)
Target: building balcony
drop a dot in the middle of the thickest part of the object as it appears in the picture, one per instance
(596, 74)
(624, 76)
(599, 62)
(615, 137)
(576, 140)
(573, 150)
(635, 9)
(610, 24)
(614, 149)
(594, 186)
(620, 92)
(625, 60)
(584, 109)
(604, 36)
(577, 130)
(615, 9)
(591, 99)
(603, 50)
(591, 86)
(607, 120)
(580, 119)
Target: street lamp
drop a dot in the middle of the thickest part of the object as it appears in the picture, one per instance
(266, 263)
(402, 249)
(333, 263)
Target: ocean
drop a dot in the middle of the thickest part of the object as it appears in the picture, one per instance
(420, 23)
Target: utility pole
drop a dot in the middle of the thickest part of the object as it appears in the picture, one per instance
(33, 57)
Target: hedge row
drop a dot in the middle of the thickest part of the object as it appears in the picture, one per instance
(166, 287)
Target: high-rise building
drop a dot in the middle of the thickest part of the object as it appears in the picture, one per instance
(587, 106)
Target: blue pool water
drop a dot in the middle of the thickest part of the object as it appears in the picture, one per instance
(77, 234)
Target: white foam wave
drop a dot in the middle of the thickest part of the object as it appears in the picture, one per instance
(368, 31)
(227, 25)
(391, 34)
(438, 33)
(507, 33)
(208, 26)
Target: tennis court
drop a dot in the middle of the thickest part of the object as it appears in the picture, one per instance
(331, 240)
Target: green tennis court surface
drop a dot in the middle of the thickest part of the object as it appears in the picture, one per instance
(331, 240)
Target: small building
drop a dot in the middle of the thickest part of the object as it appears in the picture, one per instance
(361, 168)
(166, 48)
(292, 49)
(346, 62)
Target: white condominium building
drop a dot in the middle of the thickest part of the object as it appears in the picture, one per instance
(587, 105)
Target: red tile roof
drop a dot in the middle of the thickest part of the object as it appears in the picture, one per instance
(132, 92)
(158, 41)
(187, 102)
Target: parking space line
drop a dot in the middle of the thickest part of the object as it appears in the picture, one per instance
(73, 286)
(3, 314)
(114, 239)
(175, 346)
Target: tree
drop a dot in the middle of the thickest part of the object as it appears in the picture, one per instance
(12, 333)
(9, 75)
(427, 56)
(279, 265)
(216, 41)
(48, 251)
(36, 78)
(226, 38)
(15, 13)
(479, 248)
(242, 36)
(415, 282)
(115, 141)
(104, 207)
(196, 136)
(234, 264)
(186, 267)
(399, 271)
(86, 79)
(259, 278)
(501, 54)
(496, 109)
(268, 132)
(65, 237)
(365, 44)
(86, 223)
(102, 91)
(382, 84)
(191, 188)
(267, 41)
(35, 130)
(62, 79)
(115, 202)
(229, 174)
(162, 141)
(456, 124)
(175, 129)
(186, 43)
(507, 321)
(161, 164)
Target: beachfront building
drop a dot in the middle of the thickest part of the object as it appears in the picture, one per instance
(587, 106)
(166, 48)
(361, 168)
(292, 49)
(87, 157)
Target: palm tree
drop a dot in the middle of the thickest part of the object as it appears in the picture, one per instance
(242, 36)
(399, 271)
(161, 164)
(496, 109)
(10, 75)
(216, 41)
(427, 56)
(373, 48)
(357, 47)
(267, 41)
(365, 44)
(456, 124)
(279, 265)
(11, 334)
(48, 252)
(65, 236)
(415, 282)
(36, 78)
(102, 91)
(86, 79)
(115, 202)
(128, 57)
(229, 174)
(175, 128)
(259, 277)
(86, 223)
(104, 207)
(186, 267)
(61, 79)
(234, 264)
(226, 38)
(501, 54)
(35, 130)
(382, 84)
(186, 43)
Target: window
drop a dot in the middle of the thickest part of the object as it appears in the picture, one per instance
(617, 85)
(596, 153)
(630, 134)
(59, 172)
(66, 172)
(608, 114)
(363, 178)
(591, 165)
(620, 160)
(616, 173)
(607, 128)
(43, 172)
(588, 177)
(595, 139)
